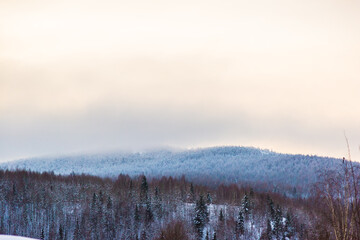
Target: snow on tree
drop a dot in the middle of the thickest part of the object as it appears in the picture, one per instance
(245, 204)
(240, 226)
(201, 216)
(278, 223)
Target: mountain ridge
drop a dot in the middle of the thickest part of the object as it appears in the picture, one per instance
(223, 164)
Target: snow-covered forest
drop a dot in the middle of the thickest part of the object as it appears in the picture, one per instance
(49, 206)
(223, 164)
(202, 205)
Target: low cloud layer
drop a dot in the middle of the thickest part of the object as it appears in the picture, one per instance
(136, 129)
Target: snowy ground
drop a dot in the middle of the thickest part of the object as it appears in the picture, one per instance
(8, 237)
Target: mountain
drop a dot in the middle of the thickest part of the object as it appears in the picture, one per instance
(215, 164)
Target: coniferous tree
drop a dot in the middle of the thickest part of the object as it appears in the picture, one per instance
(101, 198)
(240, 227)
(157, 203)
(245, 204)
(42, 234)
(109, 220)
(94, 217)
(214, 237)
(208, 198)
(144, 190)
(131, 189)
(201, 216)
(2, 227)
(268, 230)
(277, 222)
(61, 233)
(136, 214)
(271, 207)
(192, 192)
(148, 212)
(221, 216)
(198, 224)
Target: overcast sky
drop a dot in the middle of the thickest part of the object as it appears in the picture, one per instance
(87, 76)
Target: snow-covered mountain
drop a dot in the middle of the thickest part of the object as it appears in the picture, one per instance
(216, 164)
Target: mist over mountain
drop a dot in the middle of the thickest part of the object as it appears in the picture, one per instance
(216, 164)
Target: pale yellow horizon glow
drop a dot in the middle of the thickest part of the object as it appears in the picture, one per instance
(88, 75)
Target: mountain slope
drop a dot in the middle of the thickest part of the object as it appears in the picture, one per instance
(220, 164)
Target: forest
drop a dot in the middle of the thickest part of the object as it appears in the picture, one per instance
(50, 206)
(238, 165)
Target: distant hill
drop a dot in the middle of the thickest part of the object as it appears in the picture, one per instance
(216, 164)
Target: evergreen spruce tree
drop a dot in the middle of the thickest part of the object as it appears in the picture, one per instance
(240, 226)
(268, 230)
(245, 204)
(271, 208)
(221, 216)
(136, 214)
(131, 189)
(198, 224)
(148, 212)
(157, 203)
(109, 220)
(192, 192)
(101, 198)
(94, 217)
(42, 234)
(61, 233)
(208, 199)
(2, 227)
(277, 222)
(144, 190)
(201, 216)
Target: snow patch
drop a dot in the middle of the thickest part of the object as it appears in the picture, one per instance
(8, 237)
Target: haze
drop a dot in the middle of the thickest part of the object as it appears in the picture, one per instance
(82, 76)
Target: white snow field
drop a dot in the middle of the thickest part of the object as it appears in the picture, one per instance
(8, 237)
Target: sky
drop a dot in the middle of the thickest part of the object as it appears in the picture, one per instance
(87, 76)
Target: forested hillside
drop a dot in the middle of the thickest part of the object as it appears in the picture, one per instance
(223, 164)
(49, 206)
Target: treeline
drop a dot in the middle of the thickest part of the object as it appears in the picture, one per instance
(49, 206)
